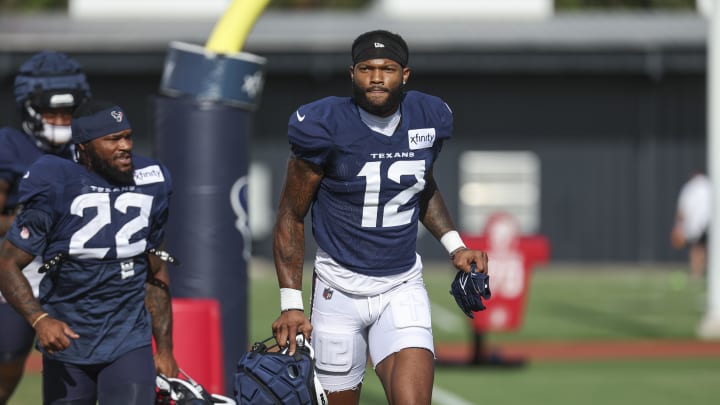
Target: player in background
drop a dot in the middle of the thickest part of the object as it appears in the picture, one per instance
(692, 221)
(48, 87)
(97, 224)
(364, 166)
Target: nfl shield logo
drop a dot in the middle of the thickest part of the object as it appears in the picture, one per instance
(327, 293)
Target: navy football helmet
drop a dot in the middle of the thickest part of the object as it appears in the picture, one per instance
(49, 80)
(179, 391)
(266, 376)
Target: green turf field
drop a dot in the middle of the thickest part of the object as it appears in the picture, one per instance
(568, 303)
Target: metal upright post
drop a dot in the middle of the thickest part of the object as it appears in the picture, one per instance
(709, 327)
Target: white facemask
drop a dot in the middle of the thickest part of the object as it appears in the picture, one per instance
(56, 134)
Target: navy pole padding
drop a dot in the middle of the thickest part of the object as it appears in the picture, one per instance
(203, 124)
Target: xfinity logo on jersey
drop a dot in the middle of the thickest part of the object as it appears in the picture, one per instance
(421, 138)
(149, 175)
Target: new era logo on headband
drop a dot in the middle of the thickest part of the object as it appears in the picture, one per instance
(379, 44)
(118, 115)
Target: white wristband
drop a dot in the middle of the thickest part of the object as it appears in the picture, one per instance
(452, 241)
(290, 298)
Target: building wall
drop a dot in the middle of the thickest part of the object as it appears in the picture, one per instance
(614, 147)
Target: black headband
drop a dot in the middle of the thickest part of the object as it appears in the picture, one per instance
(380, 45)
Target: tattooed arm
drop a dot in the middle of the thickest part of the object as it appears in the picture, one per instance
(301, 183)
(433, 211)
(436, 218)
(52, 334)
(158, 302)
(5, 220)
(13, 284)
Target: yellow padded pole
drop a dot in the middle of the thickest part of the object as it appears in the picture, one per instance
(232, 29)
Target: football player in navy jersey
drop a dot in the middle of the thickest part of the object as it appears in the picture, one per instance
(364, 166)
(48, 87)
(97, 224)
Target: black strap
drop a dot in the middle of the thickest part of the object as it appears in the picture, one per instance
(50, 264)
(158, 283)
(164, 256)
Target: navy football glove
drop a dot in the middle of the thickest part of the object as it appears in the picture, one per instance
(469, 289)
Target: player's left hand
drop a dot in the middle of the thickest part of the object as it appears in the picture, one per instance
(165, 364)
(464, 257)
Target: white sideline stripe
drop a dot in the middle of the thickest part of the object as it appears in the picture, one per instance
(442, 397)
(445, 319)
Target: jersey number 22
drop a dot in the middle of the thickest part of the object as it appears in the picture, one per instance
(101, 201)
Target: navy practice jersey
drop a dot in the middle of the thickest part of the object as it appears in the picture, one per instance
(104, 231)
(365, 214)
(17, 152)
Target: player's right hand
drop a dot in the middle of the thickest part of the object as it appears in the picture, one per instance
(166, 364)
(288, 325)
(54, 335)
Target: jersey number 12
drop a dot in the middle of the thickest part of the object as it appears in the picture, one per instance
(391, 215)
